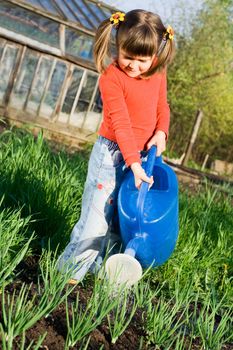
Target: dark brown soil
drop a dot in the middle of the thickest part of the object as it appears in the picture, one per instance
(55, 323)
(134, 337)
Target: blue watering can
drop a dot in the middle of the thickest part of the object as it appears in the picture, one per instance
(148, 221)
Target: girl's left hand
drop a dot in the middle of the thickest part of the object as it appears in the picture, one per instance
(159, 140)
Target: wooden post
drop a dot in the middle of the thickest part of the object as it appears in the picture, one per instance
(205, 161)
(195, 129)
(32, 82)
(46, 86)
(77, 95)
(90, 103)
(14, 73)
(62, 38)
(63, 91)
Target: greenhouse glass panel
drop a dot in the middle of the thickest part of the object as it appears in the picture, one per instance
(107, 11)
(24, 80)
(72, 90)
(73, 16)
(6, 69)
(75, 9)
(35, 3)
(65, 10)
(81, 118)
(91, 121)
(2, 44)
(48, 6)
(97, 104)
(54, 89)
(39, 84)
(87, 92)
(87, 12)
(97, 10)
(28, 23)
(79, 44)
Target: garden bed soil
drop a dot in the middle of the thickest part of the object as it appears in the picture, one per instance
(134, 337)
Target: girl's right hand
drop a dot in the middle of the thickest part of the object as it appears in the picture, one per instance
(140, 175)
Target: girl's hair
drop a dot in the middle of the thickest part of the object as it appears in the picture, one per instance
(141, 33)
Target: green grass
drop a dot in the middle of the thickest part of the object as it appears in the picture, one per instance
(42, 184)
(189, 299)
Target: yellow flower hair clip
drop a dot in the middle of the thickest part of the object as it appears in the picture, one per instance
(117, 17)
(169, 33)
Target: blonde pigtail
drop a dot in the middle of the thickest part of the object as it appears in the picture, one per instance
(166, 56)
(102, 45)
(166, 50)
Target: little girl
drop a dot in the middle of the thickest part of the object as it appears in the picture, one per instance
(135, 116)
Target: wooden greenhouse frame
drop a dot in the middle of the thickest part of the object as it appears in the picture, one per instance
(48, 78)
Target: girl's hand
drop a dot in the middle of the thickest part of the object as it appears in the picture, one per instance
(159, 140)
(140, 175)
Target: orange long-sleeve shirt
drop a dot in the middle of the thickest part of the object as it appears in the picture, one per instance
(133, 109)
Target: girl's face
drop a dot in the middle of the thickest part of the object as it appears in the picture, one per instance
(134, 66)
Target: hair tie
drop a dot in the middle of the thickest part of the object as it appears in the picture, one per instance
(117, 17)
(169, 34)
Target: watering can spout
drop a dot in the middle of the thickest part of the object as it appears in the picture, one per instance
(133, 245)
(125, 268)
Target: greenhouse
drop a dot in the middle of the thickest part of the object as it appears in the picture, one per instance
(48, 77)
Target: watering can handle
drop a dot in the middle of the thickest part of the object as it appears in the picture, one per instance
(151, 159)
